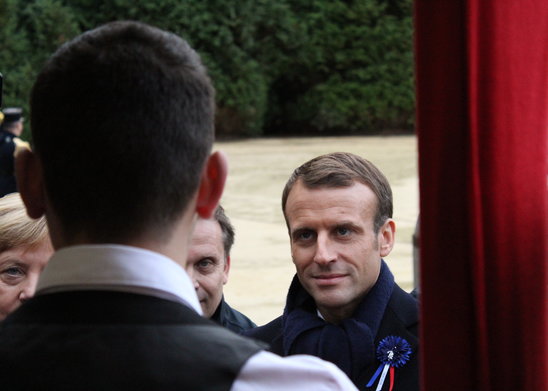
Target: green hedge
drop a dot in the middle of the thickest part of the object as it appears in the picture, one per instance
(279, 67)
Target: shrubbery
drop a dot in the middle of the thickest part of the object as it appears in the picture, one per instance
(279, 67)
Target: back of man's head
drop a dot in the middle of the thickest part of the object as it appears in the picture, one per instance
(342, 169)
(122, 121)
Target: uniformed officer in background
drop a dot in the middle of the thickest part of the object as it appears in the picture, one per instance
(10, 143)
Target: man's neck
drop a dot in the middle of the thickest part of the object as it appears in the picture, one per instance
(172, 244)
(338, 314)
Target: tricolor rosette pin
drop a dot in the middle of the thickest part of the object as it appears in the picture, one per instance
(392, 352)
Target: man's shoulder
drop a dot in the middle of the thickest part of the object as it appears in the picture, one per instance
(270, 333)
(233, 319)
(404, 306)
(6, 135)
(6, 140)
(143, 330)
(401, 318)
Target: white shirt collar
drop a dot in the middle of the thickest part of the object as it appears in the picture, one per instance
(119, 268)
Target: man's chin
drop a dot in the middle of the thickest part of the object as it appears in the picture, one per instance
(329, 301)
(205, 309)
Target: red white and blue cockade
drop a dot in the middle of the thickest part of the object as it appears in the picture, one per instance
(392, 352)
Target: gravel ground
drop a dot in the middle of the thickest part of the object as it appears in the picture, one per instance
(258, 169)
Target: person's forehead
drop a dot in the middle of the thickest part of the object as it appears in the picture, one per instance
(357, 190)
(207, 231)
(333, 203)
(37, 253)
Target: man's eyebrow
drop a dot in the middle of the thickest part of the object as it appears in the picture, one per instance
(345, 224)
(208, 256)
(348, 224)
(299, 230)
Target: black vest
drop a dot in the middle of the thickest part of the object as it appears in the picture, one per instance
(94, 340)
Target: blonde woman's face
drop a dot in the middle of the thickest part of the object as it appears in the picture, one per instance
(19, 271)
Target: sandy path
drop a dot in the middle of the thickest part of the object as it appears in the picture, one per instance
(258, 169)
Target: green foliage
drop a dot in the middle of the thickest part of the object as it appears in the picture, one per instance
(48, 24)
(14, 63)
(31, 31)
(280, 66)
(354, 70)
(222, 32)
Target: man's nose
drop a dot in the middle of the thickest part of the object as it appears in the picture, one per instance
(324, 250)
(191, 273)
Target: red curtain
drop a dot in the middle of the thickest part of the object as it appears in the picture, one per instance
(482, 123)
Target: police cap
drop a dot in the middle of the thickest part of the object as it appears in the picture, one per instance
(12, 114)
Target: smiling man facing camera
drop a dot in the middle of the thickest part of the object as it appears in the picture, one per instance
(343, 305)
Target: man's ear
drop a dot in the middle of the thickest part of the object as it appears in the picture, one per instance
(30, 184)
(212, 185)
(387, 236)
(226, 270)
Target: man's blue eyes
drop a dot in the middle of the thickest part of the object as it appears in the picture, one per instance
(343, 231)
(204, 263)
(307, 235)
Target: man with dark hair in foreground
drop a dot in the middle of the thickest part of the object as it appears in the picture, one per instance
(122, 120)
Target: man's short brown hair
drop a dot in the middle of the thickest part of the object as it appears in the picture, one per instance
(343, 169)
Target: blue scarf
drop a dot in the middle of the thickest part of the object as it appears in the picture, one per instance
(350, 344)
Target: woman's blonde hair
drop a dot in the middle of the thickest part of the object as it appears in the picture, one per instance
(17, 229)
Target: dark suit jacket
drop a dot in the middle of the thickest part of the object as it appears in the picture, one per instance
(400, 319)
(232, 319)
(93, 340)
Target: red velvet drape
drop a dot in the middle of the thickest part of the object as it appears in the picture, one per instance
(482, 122)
